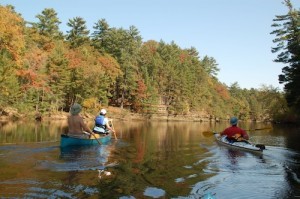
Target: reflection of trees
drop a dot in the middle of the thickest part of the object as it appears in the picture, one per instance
(157, 153)
(291, 135)
(155, 157)
(31, 131)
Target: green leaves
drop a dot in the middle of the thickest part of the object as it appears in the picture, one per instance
(115, 67)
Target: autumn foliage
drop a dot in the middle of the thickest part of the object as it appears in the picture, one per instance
(47, 70)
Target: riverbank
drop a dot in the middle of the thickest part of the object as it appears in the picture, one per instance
(116, 113)
(11, 114)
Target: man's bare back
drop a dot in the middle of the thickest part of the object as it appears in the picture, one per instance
(76, 125)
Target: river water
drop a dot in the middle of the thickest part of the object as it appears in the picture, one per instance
(149, 160)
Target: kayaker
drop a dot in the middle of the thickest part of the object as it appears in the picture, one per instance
(235, 133)
(102, 124)
(76, 125)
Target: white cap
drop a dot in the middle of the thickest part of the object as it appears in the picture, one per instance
(103, 111)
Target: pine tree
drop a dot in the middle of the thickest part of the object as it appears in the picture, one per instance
(288, 46)
(79, 34)
(98, 36)
(48, 24)
(59, 77)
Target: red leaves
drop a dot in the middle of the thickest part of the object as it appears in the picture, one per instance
(75, 59)
(30, 79)
(110, 66)
(222, 90)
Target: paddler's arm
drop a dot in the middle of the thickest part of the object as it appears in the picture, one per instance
(110, 128)
(85, 127)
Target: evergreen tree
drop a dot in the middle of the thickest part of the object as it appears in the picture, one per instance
(98, 36)
(59, 77)
(48, 24)
(288, 46)
(79, 34)
(124, 46)
(210, 65)
(149, 63)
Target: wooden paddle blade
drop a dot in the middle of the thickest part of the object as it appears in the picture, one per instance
(258, 129)
(207, 133)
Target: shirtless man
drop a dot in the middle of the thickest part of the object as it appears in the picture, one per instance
(76, 123)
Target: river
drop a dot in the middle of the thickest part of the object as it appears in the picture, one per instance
(149, 160)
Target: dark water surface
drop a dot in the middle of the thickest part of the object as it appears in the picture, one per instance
(149, 160)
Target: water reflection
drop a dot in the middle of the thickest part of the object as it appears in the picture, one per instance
(31, 132)
(74, 158)
(150, 160)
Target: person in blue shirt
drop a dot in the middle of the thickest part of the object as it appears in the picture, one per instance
(102, 124)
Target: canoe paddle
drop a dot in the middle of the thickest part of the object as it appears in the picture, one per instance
(112, 126)
(96, 138)
(258, 129)
(87, 133)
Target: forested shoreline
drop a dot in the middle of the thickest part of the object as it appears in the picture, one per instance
(43, 71)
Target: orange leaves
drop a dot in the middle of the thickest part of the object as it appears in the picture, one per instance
(222, 90)
(151, 46)
(30, 79)
(35, 58)
(141, 90)
(32, 75)
(182, 57)
(140, 95)
(75, 60)
(148, 50)
(11, 29)
(110, 66)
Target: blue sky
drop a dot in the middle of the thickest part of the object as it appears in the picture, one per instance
(234, 32)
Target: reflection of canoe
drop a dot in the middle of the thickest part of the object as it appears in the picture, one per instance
(66, 140)
(246, 146)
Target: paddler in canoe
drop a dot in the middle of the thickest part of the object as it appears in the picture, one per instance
(234, 133)
(102, 126)
(77, 127)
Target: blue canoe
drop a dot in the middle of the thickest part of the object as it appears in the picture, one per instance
(66, 140)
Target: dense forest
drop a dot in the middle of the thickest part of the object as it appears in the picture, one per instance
(45, 70)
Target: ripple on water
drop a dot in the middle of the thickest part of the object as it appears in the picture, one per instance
(239, 174)
(35, 189)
